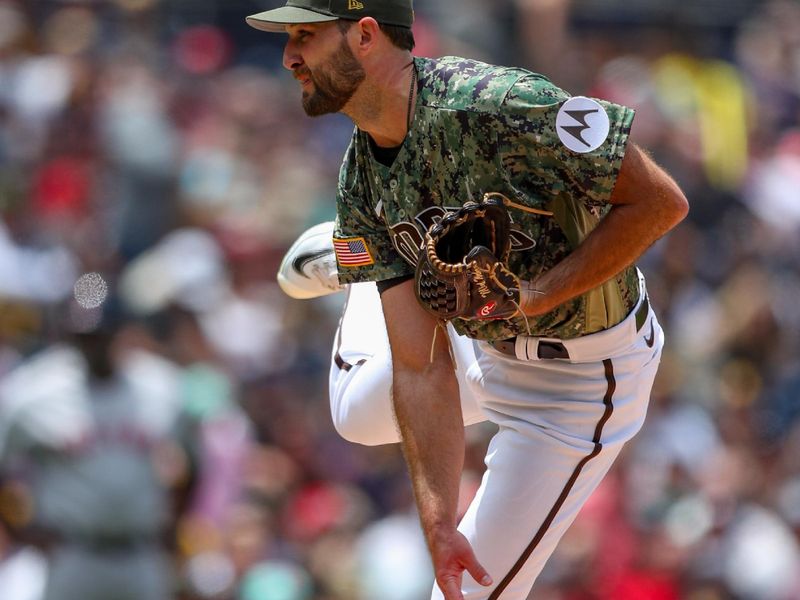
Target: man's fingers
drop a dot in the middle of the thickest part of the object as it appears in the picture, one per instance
(470, 562)
(452, 564)
(477, 571)
(451, 584)
(451, 587)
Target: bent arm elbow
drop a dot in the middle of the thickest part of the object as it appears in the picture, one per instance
(679, 207)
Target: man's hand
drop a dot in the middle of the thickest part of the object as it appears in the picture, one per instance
(452, 555)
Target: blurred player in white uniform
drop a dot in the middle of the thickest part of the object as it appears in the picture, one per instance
(361, 362)
(89, 435)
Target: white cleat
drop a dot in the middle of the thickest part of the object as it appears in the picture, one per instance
(308, 270)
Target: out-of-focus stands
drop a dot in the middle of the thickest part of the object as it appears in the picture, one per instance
(161, 145)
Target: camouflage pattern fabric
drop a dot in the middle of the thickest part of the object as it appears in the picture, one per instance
(481, 128)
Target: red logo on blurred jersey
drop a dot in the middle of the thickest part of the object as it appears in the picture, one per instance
(487, 309)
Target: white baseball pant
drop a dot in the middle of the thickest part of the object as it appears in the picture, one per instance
(361, 372)
(562, 422)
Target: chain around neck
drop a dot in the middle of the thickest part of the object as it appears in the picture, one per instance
(411, 96)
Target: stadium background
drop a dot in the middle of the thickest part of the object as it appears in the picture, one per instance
(168, 130)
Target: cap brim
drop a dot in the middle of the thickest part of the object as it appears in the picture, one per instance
(277, 19)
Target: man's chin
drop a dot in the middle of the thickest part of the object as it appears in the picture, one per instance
(317, 109)
(313, 111)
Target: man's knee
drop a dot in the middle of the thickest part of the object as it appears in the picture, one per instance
(361, 431)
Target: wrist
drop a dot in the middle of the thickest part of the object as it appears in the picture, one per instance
(440, 533)
(530, 298)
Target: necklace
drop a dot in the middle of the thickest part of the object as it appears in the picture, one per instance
(411, 95)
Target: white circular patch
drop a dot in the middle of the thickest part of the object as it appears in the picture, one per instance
(90, 290)
(582, 124)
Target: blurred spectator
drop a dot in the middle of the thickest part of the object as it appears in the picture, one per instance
(157, 143)
(22, 568)
(101, 444)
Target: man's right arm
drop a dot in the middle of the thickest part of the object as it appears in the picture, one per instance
(428, 412)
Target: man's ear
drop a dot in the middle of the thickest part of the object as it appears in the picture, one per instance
(367, 30)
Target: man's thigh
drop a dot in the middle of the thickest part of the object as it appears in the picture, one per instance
(360, 375)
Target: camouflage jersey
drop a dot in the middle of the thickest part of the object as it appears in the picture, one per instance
(480, 128)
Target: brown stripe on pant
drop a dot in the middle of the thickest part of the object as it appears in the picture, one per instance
(562, 497)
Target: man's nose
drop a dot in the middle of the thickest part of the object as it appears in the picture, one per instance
(291, 58)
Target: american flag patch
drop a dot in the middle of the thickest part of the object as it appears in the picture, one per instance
(352, 252)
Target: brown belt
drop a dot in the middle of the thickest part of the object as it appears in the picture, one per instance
(548, 350)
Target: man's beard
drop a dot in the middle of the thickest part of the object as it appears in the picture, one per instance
(334, 84)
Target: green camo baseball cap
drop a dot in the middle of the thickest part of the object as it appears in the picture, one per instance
(386, 12)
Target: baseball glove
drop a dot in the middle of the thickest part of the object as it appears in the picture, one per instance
(461, 270)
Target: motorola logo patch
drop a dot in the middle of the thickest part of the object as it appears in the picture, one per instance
(582, 124)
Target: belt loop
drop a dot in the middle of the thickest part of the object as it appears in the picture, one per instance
(642, 312)
(526, 348)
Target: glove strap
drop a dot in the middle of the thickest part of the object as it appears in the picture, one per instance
(527, 293)
(441, 324)
(508, 202)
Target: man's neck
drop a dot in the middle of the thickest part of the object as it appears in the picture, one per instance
(381, 104)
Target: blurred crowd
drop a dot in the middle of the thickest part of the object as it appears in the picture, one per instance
(154, 156)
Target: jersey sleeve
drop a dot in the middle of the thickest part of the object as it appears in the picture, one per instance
(361, 240)
(573, 145)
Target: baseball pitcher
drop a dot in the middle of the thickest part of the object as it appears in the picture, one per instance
(568, 342)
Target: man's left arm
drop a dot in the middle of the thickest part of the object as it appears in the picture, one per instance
(426, 403)
(646, 204)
